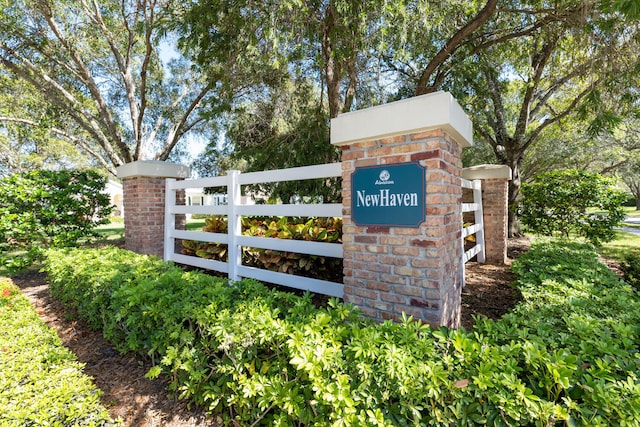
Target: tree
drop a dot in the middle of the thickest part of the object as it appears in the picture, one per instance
(100, 64)
(427, 41)
(289, 129)
(524, 86)
(50, 208)
(34, 135)
(630, 175)
(338, 46)
(557, 203)
(261, 44)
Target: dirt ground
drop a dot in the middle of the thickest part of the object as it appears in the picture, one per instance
(145, 403)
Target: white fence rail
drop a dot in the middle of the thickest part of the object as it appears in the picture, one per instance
(234, 239)
(478, 227)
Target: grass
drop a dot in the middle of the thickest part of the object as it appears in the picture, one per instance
(195, 224)
(112, 231)
(115, 229)
(631, 211)
(42, 383)
(623, 244)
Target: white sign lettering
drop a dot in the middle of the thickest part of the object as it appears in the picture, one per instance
(385, 199)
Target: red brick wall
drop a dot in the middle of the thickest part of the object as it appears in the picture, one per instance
(495, 215)
(144, 213)
(417, 271)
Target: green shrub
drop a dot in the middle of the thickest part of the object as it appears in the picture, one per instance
(41, 383)
(328, 230)
(567, 355)
(50, 208)
(558, 203)
(630, 266)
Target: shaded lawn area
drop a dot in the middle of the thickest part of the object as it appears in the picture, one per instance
(624, 243)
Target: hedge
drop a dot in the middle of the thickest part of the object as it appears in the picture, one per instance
(567, 355)
(41, 382)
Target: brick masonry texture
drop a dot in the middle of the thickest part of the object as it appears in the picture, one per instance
(416, 271)
(495, 214)
(144, 206)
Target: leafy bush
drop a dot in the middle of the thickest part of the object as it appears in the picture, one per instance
(328, 230)
(568, 355)
(43, 208)
(558, 202)
(630, 266)
(41, 383)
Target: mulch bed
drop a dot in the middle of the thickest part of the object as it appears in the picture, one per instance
(145, 403)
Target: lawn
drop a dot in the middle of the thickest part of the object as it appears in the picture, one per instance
(115, 229)
(623, 244)
(631, 211)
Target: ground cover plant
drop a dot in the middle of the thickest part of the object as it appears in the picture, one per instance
(41, 383)
(567, 355)
(327, 230)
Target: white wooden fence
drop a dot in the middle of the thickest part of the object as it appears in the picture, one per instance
(235, 209)
(234, 239)
(478, 227)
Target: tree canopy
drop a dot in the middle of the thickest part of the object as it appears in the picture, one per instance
(544, 83)
(99, 64)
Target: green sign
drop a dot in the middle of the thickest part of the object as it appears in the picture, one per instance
(388, 195)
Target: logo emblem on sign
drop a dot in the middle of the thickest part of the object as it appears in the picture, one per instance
(384, 178)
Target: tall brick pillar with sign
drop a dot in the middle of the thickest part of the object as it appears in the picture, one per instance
(402, 207)
(143, 186)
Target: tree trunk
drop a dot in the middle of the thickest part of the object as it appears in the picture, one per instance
(513, 198)
(332, 69)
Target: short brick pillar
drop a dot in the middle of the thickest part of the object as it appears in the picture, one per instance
(390, 270)
(143, 186)
(495, 208)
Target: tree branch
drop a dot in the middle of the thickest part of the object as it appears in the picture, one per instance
(179, 130)
(89, 82)
(77, 141)
(63, 99)
(551, 120)
(538, 63)
(452, 45)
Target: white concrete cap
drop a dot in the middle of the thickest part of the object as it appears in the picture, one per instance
(153, 168)
(412, 115)
(487, 172)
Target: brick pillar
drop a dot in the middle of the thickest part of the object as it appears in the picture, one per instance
(143, 185)
(391, 270)
(495, 206)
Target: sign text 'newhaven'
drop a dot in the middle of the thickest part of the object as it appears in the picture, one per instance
(389, 195)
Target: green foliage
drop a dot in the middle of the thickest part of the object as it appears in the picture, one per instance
(287, 130)
(50, 208)
(101, 68)
(557, 202)
(630, 266)
(568, 355)
(41, 383)
(328, 230)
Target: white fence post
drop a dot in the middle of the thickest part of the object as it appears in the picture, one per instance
(170, 219)
(478, 227)
(479, 219)
(234, 224)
